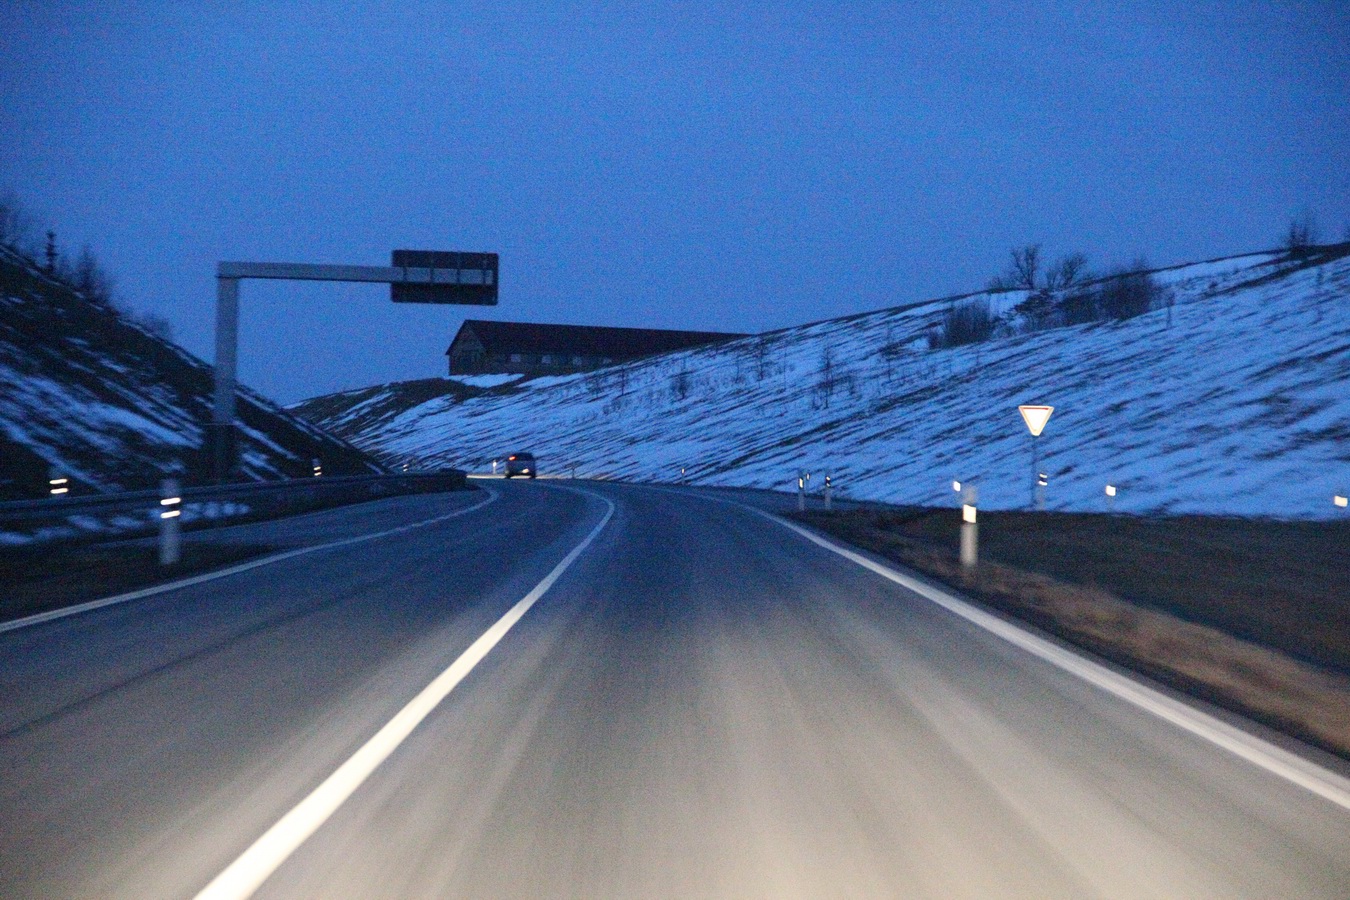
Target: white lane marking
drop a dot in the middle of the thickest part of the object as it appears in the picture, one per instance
(247, 873)
(1287, 765)
(39, 618)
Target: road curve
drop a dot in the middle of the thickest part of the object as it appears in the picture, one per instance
(704, 703)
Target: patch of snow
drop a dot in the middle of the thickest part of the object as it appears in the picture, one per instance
(1237, 407)
(486, 381)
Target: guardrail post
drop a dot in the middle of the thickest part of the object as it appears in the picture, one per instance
(170, 538)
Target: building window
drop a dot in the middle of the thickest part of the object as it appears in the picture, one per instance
(516, 357)
(546, 359)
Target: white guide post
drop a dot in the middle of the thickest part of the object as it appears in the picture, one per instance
(970, 533)
(170, 537)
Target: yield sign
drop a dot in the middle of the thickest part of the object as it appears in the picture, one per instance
(1036, 417)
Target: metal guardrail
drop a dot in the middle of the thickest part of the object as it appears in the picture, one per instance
(130, 514)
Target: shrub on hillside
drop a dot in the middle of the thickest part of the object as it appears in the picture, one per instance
(1046, 286)
(967, 322)
(1129, 292)
(1301, 237)
(90, 279)
(1079, 308)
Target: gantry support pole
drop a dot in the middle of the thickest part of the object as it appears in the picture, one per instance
(443, 277)
(227, 353)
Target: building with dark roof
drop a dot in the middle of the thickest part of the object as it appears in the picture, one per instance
(482, 348)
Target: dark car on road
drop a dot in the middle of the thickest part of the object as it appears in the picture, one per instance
(521, 464)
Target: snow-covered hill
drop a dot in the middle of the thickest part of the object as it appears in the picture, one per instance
(89, 392)
(1236, 399)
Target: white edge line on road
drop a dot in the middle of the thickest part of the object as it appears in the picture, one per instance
(247, 873)
(51, 615)
(1287, 765)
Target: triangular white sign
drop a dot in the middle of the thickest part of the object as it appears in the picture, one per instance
(1035, 417)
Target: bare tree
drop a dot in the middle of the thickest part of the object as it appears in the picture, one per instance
(1301, 236)
(1026, 264)
(826, 383)
(1045, 285)
(1068, 273)
(761, 354)
(1023, 272)
(679, 383)
(890, 352)
(16, 227)
(89, 279)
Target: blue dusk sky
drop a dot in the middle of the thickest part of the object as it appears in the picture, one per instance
(718, 166)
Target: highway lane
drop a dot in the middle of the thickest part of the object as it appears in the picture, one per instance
(135, 737)
(705, 704)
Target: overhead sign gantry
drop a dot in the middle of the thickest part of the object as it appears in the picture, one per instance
(415, 276)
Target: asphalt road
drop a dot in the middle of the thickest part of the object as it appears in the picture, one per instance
(704, 704)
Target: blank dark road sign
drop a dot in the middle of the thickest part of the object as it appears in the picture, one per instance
(455, 277)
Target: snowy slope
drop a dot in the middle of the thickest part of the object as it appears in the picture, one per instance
(1240, 405)
(87, 391)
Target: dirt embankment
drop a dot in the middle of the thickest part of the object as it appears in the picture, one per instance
(1251, 615)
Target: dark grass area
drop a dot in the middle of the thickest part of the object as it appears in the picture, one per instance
(1285, 585)
(35, 580)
